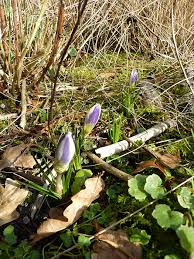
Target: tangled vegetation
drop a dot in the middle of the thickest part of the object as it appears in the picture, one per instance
(96, 122)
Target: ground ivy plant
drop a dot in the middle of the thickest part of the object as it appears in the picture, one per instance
(143, 188)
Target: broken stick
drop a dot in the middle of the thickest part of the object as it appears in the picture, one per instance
(107, 167)
(143, 136)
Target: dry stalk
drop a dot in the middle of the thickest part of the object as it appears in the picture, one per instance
(15, 28)
(23, 104)
(81, 8)
(8, 116)
(56, 42)
(177, 51)
(19, 69)
(3, 38)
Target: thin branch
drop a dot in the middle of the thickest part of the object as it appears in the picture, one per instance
(15, 27)
(56, 42)
(19, 69)
(3, 37)
(177, 51)
(8, 116)
(23, 104)
(81, 8)
(107, 167)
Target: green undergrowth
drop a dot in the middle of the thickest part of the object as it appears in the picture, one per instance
(165, 228)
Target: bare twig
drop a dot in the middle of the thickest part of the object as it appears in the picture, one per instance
(56, 42)
(107, 167)
(8, 116)
(81, 8)
(3, 37)
(23, 104)
(144, 136)
(15, 27)
(177, 51)
(19, 69)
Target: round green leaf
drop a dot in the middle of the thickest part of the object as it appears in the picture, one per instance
(153, 186)
(140, 237)
(186, 198)
(186, 236)
(136, 187)
(167, 218)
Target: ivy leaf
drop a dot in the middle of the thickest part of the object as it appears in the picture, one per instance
(167, 218)
(136, 187)
(140, 236)
(153, 186)
(80, 179)
(84, 241)
(9, 235)
(186, 236)
(186, 198)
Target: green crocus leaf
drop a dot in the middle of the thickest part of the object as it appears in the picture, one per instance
(167, 218)
(9, 235)
(186, 198)
(136, 187)
(80, 179)
(153, 186)
(186, 237)
(140, 236)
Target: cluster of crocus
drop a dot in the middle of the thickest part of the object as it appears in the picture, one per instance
(66, 147)
(134, 76)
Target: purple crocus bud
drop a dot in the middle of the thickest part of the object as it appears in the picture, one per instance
(134, 76)
(92, 118)
(64, 154)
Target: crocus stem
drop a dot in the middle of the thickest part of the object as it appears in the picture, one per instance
(59, 186)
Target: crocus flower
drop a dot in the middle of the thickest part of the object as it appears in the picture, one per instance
(134, 76)
(64, 154)
(92, 118)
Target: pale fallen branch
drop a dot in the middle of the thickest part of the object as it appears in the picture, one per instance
(9, 116)
(143, 136)
(107, 167)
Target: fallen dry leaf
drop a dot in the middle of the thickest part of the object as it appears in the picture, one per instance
(14, 156)
(80, 202)
(148, 164)
(10, 197)
(171, 161)
(115, 244)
